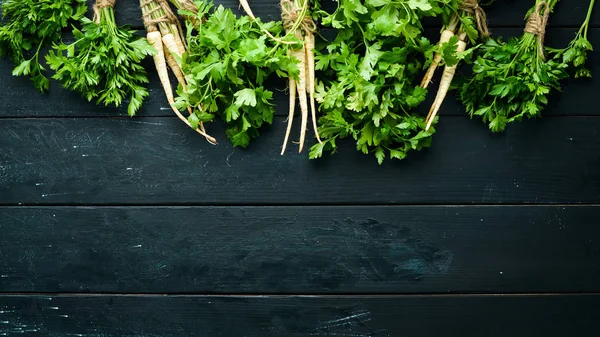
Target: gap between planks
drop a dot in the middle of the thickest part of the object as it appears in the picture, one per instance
(259, 205)
(299, 295)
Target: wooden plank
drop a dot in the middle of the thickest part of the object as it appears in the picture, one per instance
(502, 14)
(161, 161)
(20, 99)
(298, 316)
(300, 249)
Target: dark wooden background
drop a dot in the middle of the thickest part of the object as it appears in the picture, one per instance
(112, 226)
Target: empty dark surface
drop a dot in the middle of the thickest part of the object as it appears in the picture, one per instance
(326, 250)
(119, 161)
(118, 226)
(299, 316)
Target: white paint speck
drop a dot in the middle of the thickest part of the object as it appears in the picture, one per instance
(571, 138)
(4, 275)
(53, 308)
(52, 194)
(38, 184)
(4, 322)
(64, 316)
(75, 146)
(137, 246)
(501, 273)
(85, 155)
(163, 108)
(129, 169)
(481, 220)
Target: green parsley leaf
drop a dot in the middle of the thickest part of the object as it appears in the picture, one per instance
(228, 62)
(104, 63)
(30, 25)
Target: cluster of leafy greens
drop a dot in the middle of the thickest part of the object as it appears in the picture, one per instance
(104, 63)
(228, 61)
(30, 25)
(575, 54)
(513, 79)
(372, 67)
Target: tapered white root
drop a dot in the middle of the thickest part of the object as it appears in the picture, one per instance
(302, 98)
(154, 38)
(447, 77)
(446, 35)
(309, 42)
(292, 108)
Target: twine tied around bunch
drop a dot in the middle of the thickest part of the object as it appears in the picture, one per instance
(102, 4)
(536, 24)
(289, 17)
(167, 16)
(472, 7)
(149, 21)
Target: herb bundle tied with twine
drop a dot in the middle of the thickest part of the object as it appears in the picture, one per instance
(166, 36)
(514, 79)
(105, 61)
(467, 23)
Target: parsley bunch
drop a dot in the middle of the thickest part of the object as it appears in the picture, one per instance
(372, 65)
(513, 79)
(29, 25)
(575, 54)
(228, 61)
(104, 63)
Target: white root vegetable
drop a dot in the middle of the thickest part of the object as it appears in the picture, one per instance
(446, 35)
(300, 54)
(292, 108)
(154, 38)
(309, 45)
(447, 78)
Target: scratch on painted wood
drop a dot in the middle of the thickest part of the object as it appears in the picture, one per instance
(351, 325)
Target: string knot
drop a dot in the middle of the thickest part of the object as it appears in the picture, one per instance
(472, 8)
(289, 17)
(536, 24)
(102, 4)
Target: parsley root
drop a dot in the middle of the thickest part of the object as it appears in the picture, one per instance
(470, 21)
(297, 22)
(447, 34)
(157, 12)
(292, 108)
(309, 45)
(447, 77)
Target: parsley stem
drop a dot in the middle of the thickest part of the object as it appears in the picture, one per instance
(586, 23)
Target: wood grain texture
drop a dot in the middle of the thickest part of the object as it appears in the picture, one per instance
(292, 250)
(264, 316)
(20, 99)
(161, 161)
